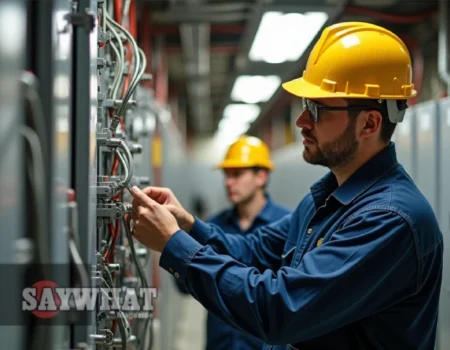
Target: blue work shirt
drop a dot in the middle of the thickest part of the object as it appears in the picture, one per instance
(354, 267)
(219, 335)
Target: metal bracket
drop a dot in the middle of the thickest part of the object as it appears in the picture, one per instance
(105, 139)
(103, 37)
(117, 103)
(86, 19)
(111, 211)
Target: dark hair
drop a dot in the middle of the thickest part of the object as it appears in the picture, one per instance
(387, 127)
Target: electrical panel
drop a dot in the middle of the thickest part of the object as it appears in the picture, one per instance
(404, 139)
(427, 136)
(443, 336)
(84, 121)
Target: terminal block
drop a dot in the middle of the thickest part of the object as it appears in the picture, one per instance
(111, 211)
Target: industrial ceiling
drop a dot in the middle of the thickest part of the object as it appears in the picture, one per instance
(208, 45)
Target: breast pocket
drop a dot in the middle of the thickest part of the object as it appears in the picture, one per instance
(288, 253)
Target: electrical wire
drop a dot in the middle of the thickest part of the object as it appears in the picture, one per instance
(137, 63)
(125, 167)
(149, 321)
(118, 73)
(129, 162)
(120, 57)
(144, 64)
(124, 327)
(36, 140)
(134, 81)
(38, 188)
(126, 9)
(84, 276)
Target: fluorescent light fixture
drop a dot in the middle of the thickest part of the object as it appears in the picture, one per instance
(226, 125)
(254, 89)
(229, 131)
(241, 113)
(236, 121)
(284, 37)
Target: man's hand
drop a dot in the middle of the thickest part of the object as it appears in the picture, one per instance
(154, 224)
(165, 197)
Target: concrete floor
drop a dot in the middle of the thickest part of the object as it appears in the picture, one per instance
(191, 325)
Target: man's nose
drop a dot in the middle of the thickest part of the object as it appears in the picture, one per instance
(304, 120)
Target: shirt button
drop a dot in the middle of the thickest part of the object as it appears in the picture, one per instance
(177, 275)
(310, 230)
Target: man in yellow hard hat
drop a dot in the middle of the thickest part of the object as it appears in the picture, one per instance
(246, 167)
(358, 265)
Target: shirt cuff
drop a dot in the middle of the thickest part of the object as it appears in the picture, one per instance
(200, 231)
(178, 253)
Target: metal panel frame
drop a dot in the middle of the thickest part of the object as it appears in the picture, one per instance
(85, 160)
(54, 70)
(12, 61)
(405, 142)
(426, 117)
(443, 336)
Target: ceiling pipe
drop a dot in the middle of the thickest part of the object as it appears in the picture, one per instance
(192, 16)
(195, 42)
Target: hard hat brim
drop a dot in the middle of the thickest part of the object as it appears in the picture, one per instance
(231, 164)
(301, 88)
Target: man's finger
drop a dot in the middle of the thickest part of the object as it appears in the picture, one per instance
(141, 210)
(159, 194)
(142, 197)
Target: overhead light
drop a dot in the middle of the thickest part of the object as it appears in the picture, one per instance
(226, 125)
(236, 121)
(228, 132)
(241, 113)
(254, 89)
(285, 37)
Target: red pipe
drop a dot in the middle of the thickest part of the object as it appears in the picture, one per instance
(145, 42)
(355, 10)
(118, 8)
(214, 29)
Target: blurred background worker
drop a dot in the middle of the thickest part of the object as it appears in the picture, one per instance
(246, 167)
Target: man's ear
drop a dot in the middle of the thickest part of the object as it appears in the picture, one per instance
(371, 123)
(262, 177)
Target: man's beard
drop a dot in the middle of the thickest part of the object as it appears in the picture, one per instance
(334, 154)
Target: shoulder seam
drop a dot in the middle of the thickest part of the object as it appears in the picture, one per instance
(406, 218)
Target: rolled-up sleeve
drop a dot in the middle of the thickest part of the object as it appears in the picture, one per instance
(366, 266)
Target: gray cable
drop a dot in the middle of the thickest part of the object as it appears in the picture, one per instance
(137, 64)
(134, 81)
(125, 168)
(118, 73)
(124, 146)
(39, 191)
(149, 321)
(120, 57)
(84, 276)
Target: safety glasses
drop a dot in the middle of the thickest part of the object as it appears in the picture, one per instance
(314, 108)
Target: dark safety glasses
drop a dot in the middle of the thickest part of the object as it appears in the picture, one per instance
(314, 108)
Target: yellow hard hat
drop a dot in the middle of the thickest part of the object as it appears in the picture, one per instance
(356, 60)
(247, 152)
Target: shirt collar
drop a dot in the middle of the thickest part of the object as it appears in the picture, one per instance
(265, 214)
(359, 182)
